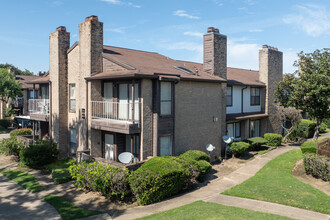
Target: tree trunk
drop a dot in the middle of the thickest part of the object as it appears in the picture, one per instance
(289, 131)
(317, 128)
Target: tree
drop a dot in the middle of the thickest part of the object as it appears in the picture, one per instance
(16, 70)
(9, 88)
(291, 116)
(309, 88)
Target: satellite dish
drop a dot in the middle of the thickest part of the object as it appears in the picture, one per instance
(210, 147)
(125, 157)
(227, 139)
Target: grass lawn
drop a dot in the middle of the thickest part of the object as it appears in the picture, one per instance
(263, 151)
(23, 179)
(275, 183)
(66, 209)
(209, 210)
(59, 163)
(60, 171)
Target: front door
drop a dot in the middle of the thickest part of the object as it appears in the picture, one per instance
(109, 152)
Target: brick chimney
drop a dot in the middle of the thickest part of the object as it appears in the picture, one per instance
(59, 43)
(91, 46)
(271, 72)
(215, 53)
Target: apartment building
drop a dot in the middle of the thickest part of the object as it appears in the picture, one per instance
(105, 100)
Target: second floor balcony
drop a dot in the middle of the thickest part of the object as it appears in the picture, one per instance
(122, 116)
(39, 109)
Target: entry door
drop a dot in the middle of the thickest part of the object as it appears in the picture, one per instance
(109, 147)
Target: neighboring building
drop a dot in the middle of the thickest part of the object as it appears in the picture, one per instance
(107, 100)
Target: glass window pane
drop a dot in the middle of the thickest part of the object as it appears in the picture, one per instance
(237, 129)
(257, 91)
(228, 101)
(165, 146)
(72, 91)
(165, 92)
(108, 91)
(229, 91)
(165, 108)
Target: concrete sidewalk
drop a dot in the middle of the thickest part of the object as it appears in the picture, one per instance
(18, 203)
(212, 191)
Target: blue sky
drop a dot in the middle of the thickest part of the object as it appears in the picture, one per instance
(171, 28)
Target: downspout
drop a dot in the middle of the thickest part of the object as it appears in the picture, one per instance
(50, 128)
(242, 107)
(86, 117)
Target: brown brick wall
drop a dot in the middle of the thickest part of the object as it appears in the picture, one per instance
(270, 72)
(146, 118)
(59, 43)
(196, 104)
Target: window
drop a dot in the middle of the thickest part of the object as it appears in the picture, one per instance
(234, 130)
(165, 145)
(166, 98)
(237, 130)
(73, 140)
(72, 90)
(229, 100)
(44, 92)
(255, 96)
(35, 94)
(255, 128)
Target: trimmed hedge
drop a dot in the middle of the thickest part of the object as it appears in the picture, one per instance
(112, 182)
(5, 123)
(161, 177)
(20, 132)
(257, 142)
(306, 129)
(309, 146)
(237, 148)
(39, 154)
(195, 155)
(273, 139)
(204, 168)
(11, 146)
(317, 165)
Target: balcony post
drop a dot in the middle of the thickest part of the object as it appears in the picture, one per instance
(133, 103)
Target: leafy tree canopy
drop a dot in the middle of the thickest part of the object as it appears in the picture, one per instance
(309, 88)
(9, 88)
(16, 70)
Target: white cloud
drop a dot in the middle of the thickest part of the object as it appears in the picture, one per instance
(119, 30)
(289, 56)
(118, 2)
(194, 34)
(312, 19)
(256, 30)
(217, 2)
(243, 55)
(182, 13)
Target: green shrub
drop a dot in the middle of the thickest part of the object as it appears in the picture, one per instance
(11, 146)
(159, 178)
(327, 122)
(237, 148)
(195, 155)
(112, 182)
(38, 154)
(5, 123)
(61, 175)
(273, 139)
(309, 146)
(317, 165)
(256, 142)
(204, 167)
(20, 132)
(323, 127)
